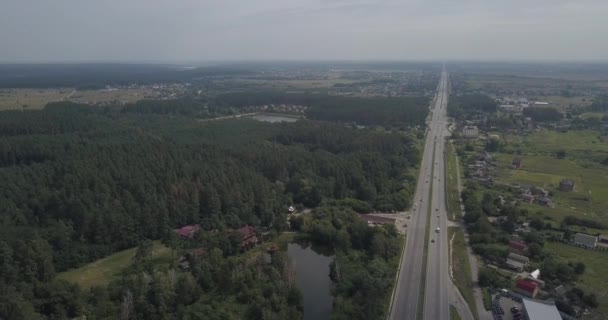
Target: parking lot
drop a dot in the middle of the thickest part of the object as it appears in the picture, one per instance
(506, 305)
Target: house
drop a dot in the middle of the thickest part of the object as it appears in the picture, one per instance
(566, 185)
(518, 246)
(470, 132)
(188, 232)
(585, 240)
(517, 261)
(545, 201)
(527, 198)
(540, 310)
(517, 162)
(373, 220)
(527, 287)
(249, 237)
(603, 239)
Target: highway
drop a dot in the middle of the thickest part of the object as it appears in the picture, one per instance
(428, 213)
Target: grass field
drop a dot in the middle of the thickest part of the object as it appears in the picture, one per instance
(454, 313)
(453, 194)
(542, 169)
(17, 99)
(102, 271)
(462, 268)
(594, 279)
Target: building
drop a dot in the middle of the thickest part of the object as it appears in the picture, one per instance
(585, 240)
(373, 220)
(517, 162)
(470, 132)
(188, 232)
(566, 185)
(545, 201)
(527, 198)
(527, 287)
(540, 310)
(517, 261)
(249, 237)
(603, 239)
(518, 246)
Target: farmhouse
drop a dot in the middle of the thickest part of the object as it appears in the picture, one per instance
(188, 232)
(527, 287)
(248, 237)
(518, 246)
(517, 261)
(585, 240)
(566, 185)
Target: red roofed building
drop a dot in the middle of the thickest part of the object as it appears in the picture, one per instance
(527, 287)
(518, 246)
(188, 231)
(248, 237)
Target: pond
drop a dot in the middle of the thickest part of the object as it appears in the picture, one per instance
(274, 117)
(312, 278)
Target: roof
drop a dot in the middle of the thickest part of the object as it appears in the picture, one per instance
(188, 231)
(376, 219)
(535, 274)
(246, 231)
(541, 310)
(518, 245)
(585, 239)
(603, 238)
(518, 258)
(526, 285)
(567, 181)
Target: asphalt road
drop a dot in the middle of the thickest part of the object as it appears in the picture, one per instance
(432, 175)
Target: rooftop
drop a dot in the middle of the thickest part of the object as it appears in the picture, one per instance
(585, 239)
(541, 310)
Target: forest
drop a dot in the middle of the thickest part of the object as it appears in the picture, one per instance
(465, 106)
(81, 183)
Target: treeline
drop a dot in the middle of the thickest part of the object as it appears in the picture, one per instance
(73, 193)
(365, 265)
(365, 111)
(572, 220)
(98, 75)
(600, 104)
(461, 107)
(542, 114)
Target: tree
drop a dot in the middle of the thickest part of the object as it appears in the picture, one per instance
(143, 252)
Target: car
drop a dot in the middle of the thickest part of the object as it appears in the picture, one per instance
(437, 230)
(432, 240)
(436, 209)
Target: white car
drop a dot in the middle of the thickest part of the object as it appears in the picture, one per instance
(437, 230)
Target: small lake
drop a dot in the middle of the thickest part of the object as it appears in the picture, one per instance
(312, 278)
(274, 117)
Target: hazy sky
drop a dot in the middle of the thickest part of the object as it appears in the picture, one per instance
(199, 30)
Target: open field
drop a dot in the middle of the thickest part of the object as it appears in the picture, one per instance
(102, 271)
(453, 195)
(594, 279)
(461, 268)
(584, 150)
(15, 99)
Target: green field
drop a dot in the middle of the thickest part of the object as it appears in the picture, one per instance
(542, 169)
(462, 268)
(594, 279)
(453, 194)
(102, 271)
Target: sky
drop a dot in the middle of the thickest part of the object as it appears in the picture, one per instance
(203, 30)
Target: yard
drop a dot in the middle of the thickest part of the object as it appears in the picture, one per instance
(102, 271)
(594, 279)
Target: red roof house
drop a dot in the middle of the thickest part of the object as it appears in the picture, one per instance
(518, 246)
(527, 287)
(188, 231)
(248, 237)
